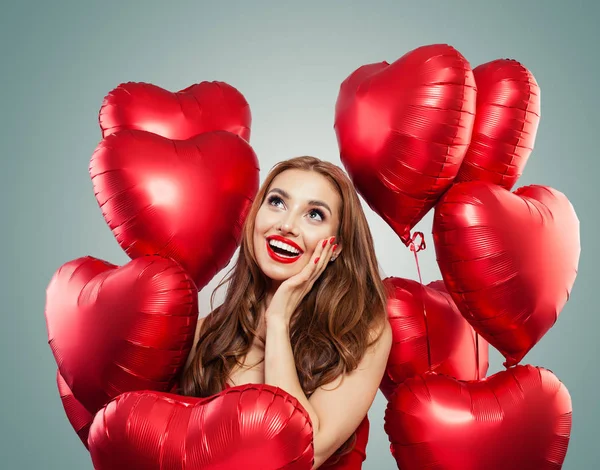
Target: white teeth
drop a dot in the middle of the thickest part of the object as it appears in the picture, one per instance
(284, 246)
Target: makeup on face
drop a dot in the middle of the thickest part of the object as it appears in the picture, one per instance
(283, 250)
(297, 213)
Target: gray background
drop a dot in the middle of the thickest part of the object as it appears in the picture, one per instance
(59, 59)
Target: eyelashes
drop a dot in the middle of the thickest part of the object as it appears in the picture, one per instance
(272, 199)
(276, 199)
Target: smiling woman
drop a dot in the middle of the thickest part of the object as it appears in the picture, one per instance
(305, 308)
(296, 214)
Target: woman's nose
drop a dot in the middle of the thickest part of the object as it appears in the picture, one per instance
(287, 226)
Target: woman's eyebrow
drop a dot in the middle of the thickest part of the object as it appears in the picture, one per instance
(310, 203)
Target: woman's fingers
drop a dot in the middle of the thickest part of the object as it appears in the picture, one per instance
(326, 250)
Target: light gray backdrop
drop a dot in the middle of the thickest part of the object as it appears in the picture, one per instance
(60, 58)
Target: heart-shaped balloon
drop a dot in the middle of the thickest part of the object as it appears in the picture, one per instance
(199, 108)
(254, 427)
(403, 130)
(181, 199)
(429, 334)
(80, 418)
(509, 260)
(116, 329)
(506, 123)
(519, 418)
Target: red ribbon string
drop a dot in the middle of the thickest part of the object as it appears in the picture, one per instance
(415, 249)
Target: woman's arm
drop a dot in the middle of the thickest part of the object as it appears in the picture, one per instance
(335, 414)
(335, 411)
(280, 368)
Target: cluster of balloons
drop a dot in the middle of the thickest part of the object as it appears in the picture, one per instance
(424, 132)
(174, 177)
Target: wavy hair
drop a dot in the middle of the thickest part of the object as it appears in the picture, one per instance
(331, 329)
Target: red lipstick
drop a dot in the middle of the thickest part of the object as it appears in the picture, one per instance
(279, 258)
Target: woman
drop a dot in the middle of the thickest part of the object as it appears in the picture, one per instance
(305, 308)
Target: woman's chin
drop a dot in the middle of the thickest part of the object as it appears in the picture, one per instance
(278, 273)
(277, 277)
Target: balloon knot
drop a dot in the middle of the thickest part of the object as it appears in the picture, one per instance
(414, 248)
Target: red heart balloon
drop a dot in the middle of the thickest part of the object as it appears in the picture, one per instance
(80, 418)
(254, 427)
(506, 123)
(417, 313)
(203, 107)
(115, 329)
(185, 200)
(509, 260)
(519, 418)
(403, 130)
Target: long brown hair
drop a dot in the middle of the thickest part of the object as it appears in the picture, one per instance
(331, 329)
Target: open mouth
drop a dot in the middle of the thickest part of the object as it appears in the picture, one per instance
(282, 252)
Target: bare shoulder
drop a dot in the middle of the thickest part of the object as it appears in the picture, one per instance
(377, 353)
(381, 336)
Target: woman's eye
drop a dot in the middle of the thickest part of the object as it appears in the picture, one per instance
(318, 212)
(274, 200)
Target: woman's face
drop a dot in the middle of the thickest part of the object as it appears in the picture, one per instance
(300, 209)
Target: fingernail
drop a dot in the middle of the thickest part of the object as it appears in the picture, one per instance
(324, 243)
(334, 247)
(317, 260)
(331, 240)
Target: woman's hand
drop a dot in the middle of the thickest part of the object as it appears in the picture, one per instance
(291, 292)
